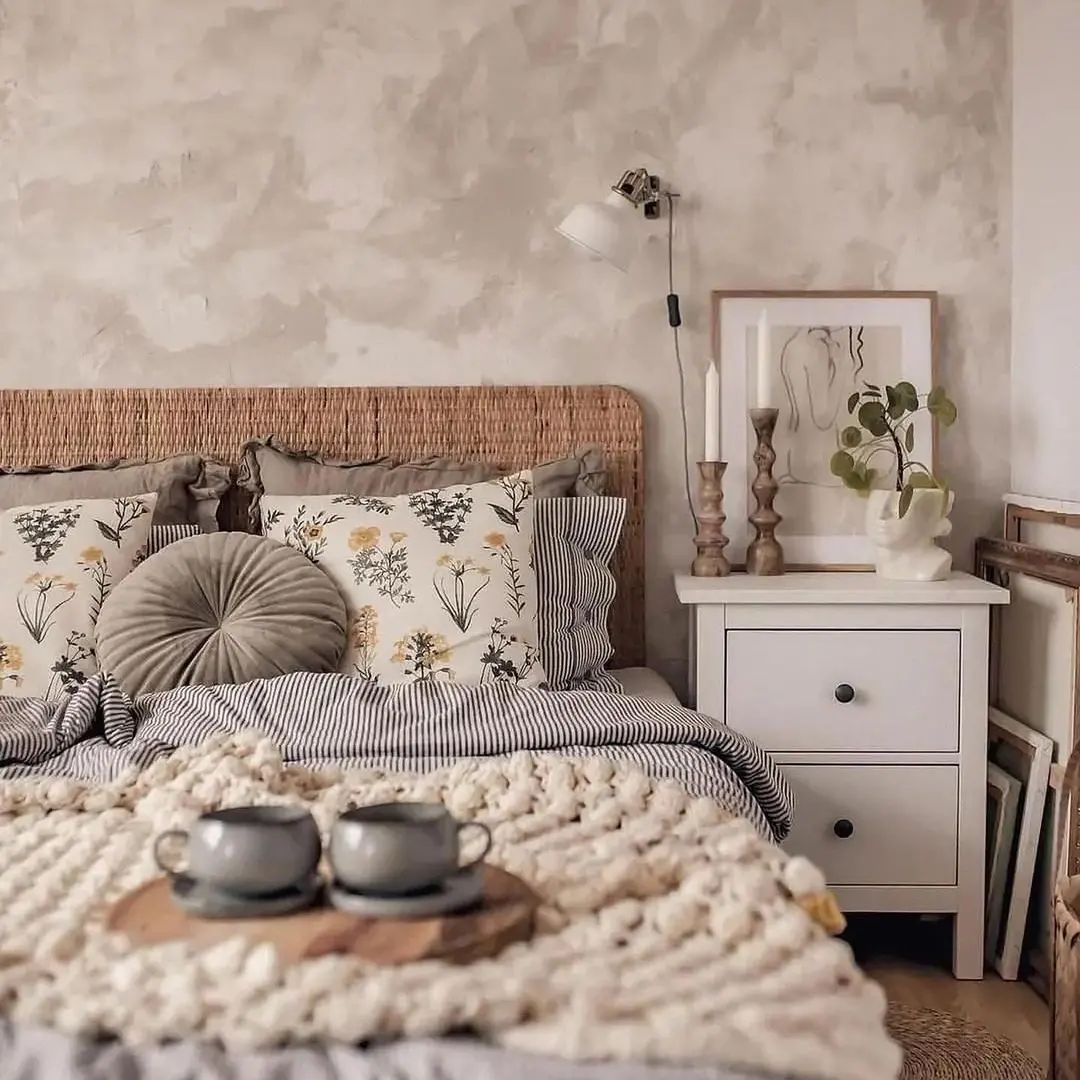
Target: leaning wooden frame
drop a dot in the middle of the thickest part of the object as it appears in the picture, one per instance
(1016, 514)
(996, 560)
(1035, 751)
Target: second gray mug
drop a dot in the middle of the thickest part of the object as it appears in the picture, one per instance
(397, 848)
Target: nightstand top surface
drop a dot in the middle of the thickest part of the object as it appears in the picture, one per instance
(836, 588)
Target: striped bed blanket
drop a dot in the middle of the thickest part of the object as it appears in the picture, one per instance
(335, 720)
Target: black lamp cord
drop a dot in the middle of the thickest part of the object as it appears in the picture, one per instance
(675, 321)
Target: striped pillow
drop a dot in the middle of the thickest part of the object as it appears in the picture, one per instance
(574, 540)
(162, 536)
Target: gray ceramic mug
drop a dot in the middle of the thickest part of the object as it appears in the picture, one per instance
(397, 848)
(247, 850)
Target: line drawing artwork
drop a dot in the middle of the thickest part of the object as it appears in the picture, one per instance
(813, 371)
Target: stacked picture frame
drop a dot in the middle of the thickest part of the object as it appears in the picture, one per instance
(1019, 753)
(1019, 768)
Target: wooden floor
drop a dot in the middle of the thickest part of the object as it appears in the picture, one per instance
(910, 958)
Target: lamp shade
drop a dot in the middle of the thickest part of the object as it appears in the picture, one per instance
(604, 229)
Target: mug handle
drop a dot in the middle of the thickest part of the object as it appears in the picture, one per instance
(462, 826)
(169, 834)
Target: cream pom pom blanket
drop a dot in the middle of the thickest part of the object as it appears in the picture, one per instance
(670, 931)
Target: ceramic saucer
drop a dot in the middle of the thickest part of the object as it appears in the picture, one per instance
(208, 902)
(460, 890)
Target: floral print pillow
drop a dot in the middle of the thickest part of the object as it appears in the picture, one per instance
(439, 585)
(58, 563)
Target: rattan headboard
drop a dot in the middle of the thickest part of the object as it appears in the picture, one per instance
(513, 426)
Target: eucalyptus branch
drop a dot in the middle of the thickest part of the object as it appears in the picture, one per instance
(897, 449)
(877, 450)
(882, 423)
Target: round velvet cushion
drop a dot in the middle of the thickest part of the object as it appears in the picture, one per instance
(223, 608)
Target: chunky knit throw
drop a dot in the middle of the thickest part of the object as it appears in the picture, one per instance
(669, 930)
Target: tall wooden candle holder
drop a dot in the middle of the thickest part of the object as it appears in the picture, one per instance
(764, 556)
(710, 540)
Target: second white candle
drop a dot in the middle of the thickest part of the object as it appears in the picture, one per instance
(761, 401)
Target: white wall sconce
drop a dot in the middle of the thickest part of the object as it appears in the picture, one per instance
(606, 229)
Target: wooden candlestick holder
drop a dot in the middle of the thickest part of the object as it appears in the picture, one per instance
(710, 540)
(764, 556)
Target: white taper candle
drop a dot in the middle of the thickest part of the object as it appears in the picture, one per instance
(762, 399)
(712, 413)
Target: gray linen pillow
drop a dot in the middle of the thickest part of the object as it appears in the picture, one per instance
(267, 467)
(224, 608)
(188, 487)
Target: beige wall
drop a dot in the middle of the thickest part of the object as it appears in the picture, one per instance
(346, 191)
(1046, 267)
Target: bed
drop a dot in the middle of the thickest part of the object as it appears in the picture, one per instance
(97, 735)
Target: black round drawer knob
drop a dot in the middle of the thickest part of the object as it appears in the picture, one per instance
(844, 693)
(843, 828)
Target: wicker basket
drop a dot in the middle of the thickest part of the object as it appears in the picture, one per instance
(1065, 1024)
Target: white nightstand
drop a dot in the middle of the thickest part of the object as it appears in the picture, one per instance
(872, 695)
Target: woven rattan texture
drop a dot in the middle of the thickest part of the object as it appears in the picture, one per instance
(1065, 1004)
(512, 426)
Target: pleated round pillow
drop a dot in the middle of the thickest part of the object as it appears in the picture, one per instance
(223, 608)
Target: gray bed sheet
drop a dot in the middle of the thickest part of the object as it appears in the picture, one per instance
(646, 683)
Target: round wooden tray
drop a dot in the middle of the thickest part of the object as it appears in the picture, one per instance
(149, 916)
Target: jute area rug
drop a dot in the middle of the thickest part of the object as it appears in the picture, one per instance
(941, 1046)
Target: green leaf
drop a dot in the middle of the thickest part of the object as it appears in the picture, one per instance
(842, 464)
(852, 401)
(936, 395)
(907, 395)
(921, 480)
(909, 439)
(861, 479)
(872, 386)
(905, 500)
(872, 417)
(943, 410)
(851, 437)
(108, 532)
(871, 393)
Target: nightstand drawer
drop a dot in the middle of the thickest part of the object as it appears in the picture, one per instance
(845, 690)
(876, 824)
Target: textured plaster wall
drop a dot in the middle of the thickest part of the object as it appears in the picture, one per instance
(1046, 270)
(351, 191)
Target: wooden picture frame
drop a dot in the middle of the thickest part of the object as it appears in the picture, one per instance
(1003, 792)
(1037, 751)
(995, 561)
(821, 530)
(1038, 511)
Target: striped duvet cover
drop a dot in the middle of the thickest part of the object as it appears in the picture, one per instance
(320, 720)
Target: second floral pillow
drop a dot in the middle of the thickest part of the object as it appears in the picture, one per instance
(439, 585)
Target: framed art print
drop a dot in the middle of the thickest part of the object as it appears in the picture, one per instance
(820, 347)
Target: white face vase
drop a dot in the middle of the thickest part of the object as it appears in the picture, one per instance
(904, 546)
